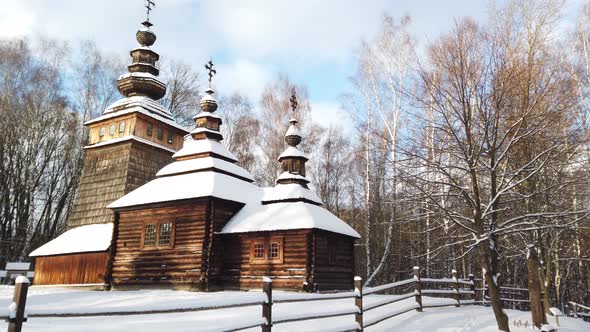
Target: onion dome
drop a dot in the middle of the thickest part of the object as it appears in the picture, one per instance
(207, 122)
(292, 159)
(142, 79)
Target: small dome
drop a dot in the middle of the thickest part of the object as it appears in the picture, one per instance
(145, 37)
(208, 102)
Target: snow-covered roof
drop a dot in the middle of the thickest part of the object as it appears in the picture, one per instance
(17, 266)
(204, 130)
(291, 176)
(127, 138)
(293, 131)
(293, 152)
(197, 164)
(289, 191)
(192, 147)
(187, 186)
(88, 238)
(255, 217)
(206, 115)
(143, 101)
(141, 75)
(138, 104)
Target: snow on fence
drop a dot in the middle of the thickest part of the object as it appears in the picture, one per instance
(579, 311)
(446, 288)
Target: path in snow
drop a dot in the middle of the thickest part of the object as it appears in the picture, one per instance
(55, 300)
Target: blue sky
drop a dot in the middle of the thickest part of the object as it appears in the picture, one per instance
(314, 42)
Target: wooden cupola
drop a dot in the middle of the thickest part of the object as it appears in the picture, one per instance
(142, 78)
(292, 159)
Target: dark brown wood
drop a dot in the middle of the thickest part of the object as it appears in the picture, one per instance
(358, 302)
(534, 285)
(418, 288)
(19, 297)
(456, 288)
(83, 268)
(267, 304)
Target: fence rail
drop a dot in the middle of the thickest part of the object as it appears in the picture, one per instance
(462, 292)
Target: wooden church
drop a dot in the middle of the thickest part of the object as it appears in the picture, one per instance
(160, 207)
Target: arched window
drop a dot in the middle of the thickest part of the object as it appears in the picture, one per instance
(112, 129)
(102, 132)
(121, 126)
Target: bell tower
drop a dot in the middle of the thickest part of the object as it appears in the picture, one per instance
(131, 140)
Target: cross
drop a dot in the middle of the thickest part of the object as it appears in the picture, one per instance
(149, 4)
(211, 71)
(293, 100)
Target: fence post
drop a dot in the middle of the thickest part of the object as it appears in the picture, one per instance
(472, 279)
(267, 304)
(456, 288)
(358, 302)
(574, 309)
(19, 301)
(484, 287)
(417, 288)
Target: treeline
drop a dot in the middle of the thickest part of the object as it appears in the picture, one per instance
(464, 153)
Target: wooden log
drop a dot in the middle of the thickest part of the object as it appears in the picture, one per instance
(456, 288)
(267, 304)
(358, 302)
(472, 279)
(417, 288)
(19, 298)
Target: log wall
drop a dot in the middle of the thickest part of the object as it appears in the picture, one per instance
(338, 273)
(178, 265)
(239, 273)
(85, 268)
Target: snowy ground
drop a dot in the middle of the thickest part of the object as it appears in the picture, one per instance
(55, 300)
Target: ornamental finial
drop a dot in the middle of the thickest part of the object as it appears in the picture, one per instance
(211, 70)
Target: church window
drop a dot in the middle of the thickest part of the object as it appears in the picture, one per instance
(149, 236)
(170, 137)
(150, 128)
(112, 129)
(102, 132)
(165, 234)
(121, 126)
(158, 235)
(160, 133)
(266, 250)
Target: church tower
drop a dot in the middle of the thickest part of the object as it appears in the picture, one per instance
(131, 141)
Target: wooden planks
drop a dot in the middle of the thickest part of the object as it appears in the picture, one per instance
(84, 268)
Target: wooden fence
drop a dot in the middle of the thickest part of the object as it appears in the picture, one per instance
(579, 311)
(460, 291)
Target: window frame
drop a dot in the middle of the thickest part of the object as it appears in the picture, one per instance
(102, 131)
(160, 133)
(149, 129)
(158, 225)
(122, 126)
(266, 243)
(170, 136)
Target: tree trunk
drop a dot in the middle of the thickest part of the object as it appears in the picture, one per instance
(534, 283)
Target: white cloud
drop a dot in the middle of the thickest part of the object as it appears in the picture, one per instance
(243, 76)
(330, 114)
(16, 20)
